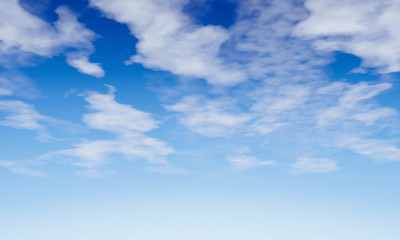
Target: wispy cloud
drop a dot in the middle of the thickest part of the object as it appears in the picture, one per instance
(24, 116)
(261, 40)
(17, 84)
(352, 105)
(126, 123)
(21, 169)
(313, 165)
(5, 92)
(209, 117)
(243, 162)
(379, 150)
(276, 107)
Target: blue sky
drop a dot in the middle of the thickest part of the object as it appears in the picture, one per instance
(199, 119)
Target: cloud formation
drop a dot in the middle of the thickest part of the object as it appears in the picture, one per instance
(23, 35)
(169, 41)
(126, 123)
(214, 118)
(270, 62)
(367, 29)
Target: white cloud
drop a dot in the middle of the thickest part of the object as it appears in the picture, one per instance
(351, 105)
(313, 165)
(243, 162)
(367, 29)
(23, 116)
(286, 92)
(132, 146)
(209, 117)
(128, 125)
(328, 114)
(275, 107)
(380, 150)
(83, 65)
(169, 41)
(108, 115)
(23, 35)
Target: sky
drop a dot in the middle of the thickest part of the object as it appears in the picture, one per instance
(199, 119)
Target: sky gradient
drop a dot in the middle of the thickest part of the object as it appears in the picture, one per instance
(199, 119)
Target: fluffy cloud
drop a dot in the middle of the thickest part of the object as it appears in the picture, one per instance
(108, 115)
(23, 35)
(313, 165)
(83, 65)
(169, 41)
(209, 117)
(367, 29)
